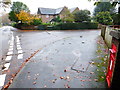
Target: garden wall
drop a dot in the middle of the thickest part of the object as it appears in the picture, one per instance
(108, 37)
(105, 33)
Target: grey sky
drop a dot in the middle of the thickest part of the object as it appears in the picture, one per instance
(34, 4)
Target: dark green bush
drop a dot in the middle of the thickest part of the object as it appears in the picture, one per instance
(69, 26)
(36, 22)
(42, 27)
(76, 26)
(116, 19)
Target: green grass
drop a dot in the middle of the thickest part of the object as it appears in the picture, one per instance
(101, 62)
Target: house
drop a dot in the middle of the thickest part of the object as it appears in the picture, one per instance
(73, 10)
(47, 14)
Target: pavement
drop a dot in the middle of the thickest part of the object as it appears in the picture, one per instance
(5, 41)
(64, 60)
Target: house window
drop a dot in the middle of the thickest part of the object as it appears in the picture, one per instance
(47, 16)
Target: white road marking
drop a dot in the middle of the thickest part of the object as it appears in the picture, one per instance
(8, 58)
(9, 42)
(19, 48)
(12, 38)
(20, 51)
(18, 43)
(10, 52)
(10, 49)
(2, 79)
(6, 66)
(20, 56)
(17, 39)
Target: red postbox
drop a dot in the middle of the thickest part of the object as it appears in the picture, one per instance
(110, 71)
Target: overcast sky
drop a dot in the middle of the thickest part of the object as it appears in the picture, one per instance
(34, 4)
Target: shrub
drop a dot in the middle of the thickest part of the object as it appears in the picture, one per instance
(116, 19)
(104, 18)
(82, 15)
(70, 26)
(36, 22)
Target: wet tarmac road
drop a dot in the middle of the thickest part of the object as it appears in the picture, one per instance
(64, 60)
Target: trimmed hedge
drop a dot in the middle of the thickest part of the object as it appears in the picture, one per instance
(70, 26)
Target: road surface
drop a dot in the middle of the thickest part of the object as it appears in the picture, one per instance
(63, 61)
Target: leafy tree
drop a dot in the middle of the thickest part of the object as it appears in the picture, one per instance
(116, 19)
(82, 15)
(27, 18)
(18, 6)
(67, 17)
(104, 18)
(12, 16)
(113, 3)
(103, 7)
(15, 9)
(56, 19)
(36, 21)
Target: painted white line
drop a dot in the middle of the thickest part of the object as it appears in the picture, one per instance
(19, 48)
(8, 58)
(10, 52)
(20, 56)
(18, 43)
(2, 79)
(17, 39)
(6, 66)
(11, 41)
(12, 38)
(20, 51)
(11, 44)
(10, 49)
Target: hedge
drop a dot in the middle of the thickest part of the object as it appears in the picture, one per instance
(70, 26)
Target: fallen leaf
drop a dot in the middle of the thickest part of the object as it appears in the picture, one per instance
(67, 77)
(65, 70)
(89, 80)
(82, 84)
(54, 80)
(102, 77)
(80, 36)
(67, 86)
(96, 80)
(82, 80)
(61, 77)
(35, 78)
(34, 83)
(45, 86)
(91, 72)
(78, 71)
